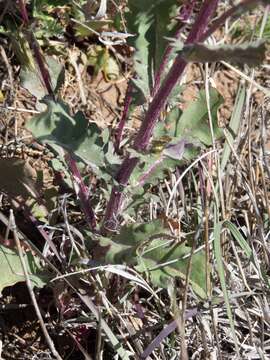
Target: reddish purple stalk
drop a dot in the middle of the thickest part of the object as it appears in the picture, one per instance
(24, 13)
(236, 10)
(184, 15)
(143, 137)
(83, 193)
(43, 68)
(119, 132)
(165, 333)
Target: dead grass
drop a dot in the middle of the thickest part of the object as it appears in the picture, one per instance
(211, 192)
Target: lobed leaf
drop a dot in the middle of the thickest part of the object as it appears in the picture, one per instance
(151, 21)
(75, 134)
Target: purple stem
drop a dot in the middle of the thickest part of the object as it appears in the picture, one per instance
(145, 132)
(113, 207)
(24, 12)
(150, 170)
(127, 102)
(166, 332)
(184, 15)
(83, 193)
(237, 10)
(43, 68)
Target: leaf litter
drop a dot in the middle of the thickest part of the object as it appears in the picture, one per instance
(245, 201)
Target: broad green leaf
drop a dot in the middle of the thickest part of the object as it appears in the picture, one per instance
(190, 126)
(168, 127)
(152, 249)
(31, 80)
(12, 272)
(162, 262)
(193, 123)
(123, 247)
(76, 134)
(151, 21)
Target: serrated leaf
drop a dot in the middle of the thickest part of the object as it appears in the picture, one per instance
(147, 247)
(151, 21)
(12, 272)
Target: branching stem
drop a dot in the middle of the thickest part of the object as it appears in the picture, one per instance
(145, 132)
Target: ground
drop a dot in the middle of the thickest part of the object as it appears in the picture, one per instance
(136, 315)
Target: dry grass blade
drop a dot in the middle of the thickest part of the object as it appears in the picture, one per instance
(220, 269)
(31, 292)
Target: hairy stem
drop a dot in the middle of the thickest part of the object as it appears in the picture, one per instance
(237, 10)
(143, 137)
(120, 128)
(34, 46)
(184, 15)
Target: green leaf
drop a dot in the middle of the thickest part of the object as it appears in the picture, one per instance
(31, 80)
(89, 27)
(12, 272)
(49, 24)
(111, 69)
(100, 58)
(153, 250)
(239, 238)
(76, 134)
(162, 262)
(123, 247)
(194, 123)
(152, 21)
(190, 126)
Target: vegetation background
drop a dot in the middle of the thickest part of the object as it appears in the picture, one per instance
(135, 175)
